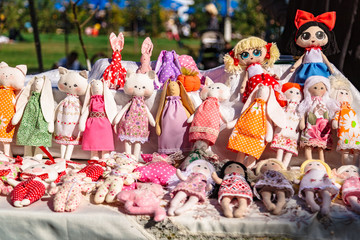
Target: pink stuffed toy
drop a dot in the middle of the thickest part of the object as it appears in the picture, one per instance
(8, 174)
(144, 200)
(146, 51)
(188, 62)
(159, 172)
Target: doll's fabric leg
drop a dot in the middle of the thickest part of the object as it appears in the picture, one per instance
(250, 162)
(102, 191)
(240, 157)
(35, 191)
(17, 195)
(225, 205)
(326, 202)
(69, 151)
(38, 154)
(241, 210)
(354, 203)
(115, 187)
(321, 154)
(62, 151)
(28, 151)
(310, 199)
(94, 155)
(7, 149)
(308, 153)
(73, 202)
(266, 196)
(128, 147)
(174, 204)
(345, 158)
(281, 201)
(287, 159)
(105, 154)
(60, 200)
(190, 203)
(279, 155)
(137, 149)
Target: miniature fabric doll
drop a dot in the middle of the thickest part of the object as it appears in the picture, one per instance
(114, 74)
(159, 172)
(316, 184)
(286, 139)
(175, 107)
(67, 113)
(253, 55)
(35, 109)
(11, 80)
(8, 176)
(316, 110)
(146, 51)
(253, 129)
(234, 185)
(167, 67)
(315, 37)
(95, 122)
(345, 120)
(194, 187)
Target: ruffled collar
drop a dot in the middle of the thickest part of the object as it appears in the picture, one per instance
(251, 65)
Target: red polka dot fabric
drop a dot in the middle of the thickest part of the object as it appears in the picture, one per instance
(115, 73)
(93, 171)
(31, 189)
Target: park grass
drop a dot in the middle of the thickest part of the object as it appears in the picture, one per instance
(53, 49)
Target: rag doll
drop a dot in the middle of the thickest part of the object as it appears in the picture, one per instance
(167, 67)
(35, 109)
(8, 176)
(190, 75)
(205, 122)
(188, 62)
(253, 130)
(97, 114)
(196, 183)
(144, 200)
(175, 107)
(272, 183)
(315, 111)
(145, 60)
(134, 118)
(316, 184)
(234, 185)
(286, 139)
(253, 55)
(67, 113)
(114, 74)
(345, 120)
(313, 41)
(11, 81)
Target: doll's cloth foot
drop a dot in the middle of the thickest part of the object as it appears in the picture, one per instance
(18, 204)
(25, 202)
(171, 211)
(314, 207)
(228, 212)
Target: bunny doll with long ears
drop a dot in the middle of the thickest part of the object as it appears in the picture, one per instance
(35, 109)
(115, 73)
(98, 112)
(167, 66)
(146, 51)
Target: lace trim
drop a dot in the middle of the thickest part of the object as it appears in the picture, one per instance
(133, 139)
(8, 140)
(204, 129)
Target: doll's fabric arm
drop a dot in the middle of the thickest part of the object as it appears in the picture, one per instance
(83, 118)
(327, 62)
(121, 113)
(302, 123)
(223, 118)
(12, 182)
(216, 178)
(150, 116)
(243, 83)
(269, 132)
(231, 124)
(335, 121)
(190, 119)
(18, 115)
(180, 175)
(297, 64)
(209, 187)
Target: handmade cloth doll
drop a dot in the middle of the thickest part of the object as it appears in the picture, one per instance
(95, 169)
(115, 73)
(97, 114)
(146, 51)
(313, 41)
(167, 67)
(253, 55)
(134, 118)
(35, 109)
(316, 184)
(11, 81)
(233, 186)
(144, 200)
(315, 111)
(190, 75)
(188, 62)
(345, 120)
(67, 112)
(253, 130)
(271, 182)
(205, 122)
(286, 139)
(8, 176)
(175, 107)
(195, 186)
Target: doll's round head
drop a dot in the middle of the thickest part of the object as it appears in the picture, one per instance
(12, 77)
(139, 84)
(72, 82)
(315, 164)
(216, 90)
(173, 88)
(38, 84)
(292, 91)
(340, 89)
(97, 87)
(200, 166)
(347, 171)
(316, 86)
(231, 167)
(269, 164)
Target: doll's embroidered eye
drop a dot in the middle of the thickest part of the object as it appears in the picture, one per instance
(218, 87)
(305, 36)
(257, 53)
(75, 85)
(244, 55)
(135, 86)
(65, 84)
(143, 87)
(320, 35)
(291, 92)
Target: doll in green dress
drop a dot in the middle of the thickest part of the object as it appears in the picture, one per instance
(35, 109)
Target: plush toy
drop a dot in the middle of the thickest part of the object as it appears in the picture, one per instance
(67, 113)
(11, 81)
(313, 41)
(8, 176)
(35, 109)
(205, 122)
(159, 172)
(135, 116)
(316, 184)
(253, 129)
(146, 51)
(144, 200)
(98, 112)
(167, 66)
(175, 107)
(272, 180)
(115, 73)
(190, 79)
(315, 111)
(253, 55)
(234, 185)
(95, 169)
(196, 184)
(345, 120)
(189, 63)
(286, 139)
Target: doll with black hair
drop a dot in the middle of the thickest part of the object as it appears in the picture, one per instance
(313, 41)
(233, 185)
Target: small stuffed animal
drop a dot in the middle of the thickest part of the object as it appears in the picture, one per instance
(167, 66)
(175, 107)
(196, 183)
(316, 184)
(11, 81)
(233, 185)
(98, 112)
(114, 74)
(135, 116)
(159, 172)
(253, 129)
(8, 176)
(146, 51)
(67, 112)
(144, 200)
(345, 120)
(35, 109)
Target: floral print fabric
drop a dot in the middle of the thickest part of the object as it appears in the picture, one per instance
(195, 185)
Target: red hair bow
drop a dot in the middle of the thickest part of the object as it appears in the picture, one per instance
(268, 46)
(236, 60)
(327, 18)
